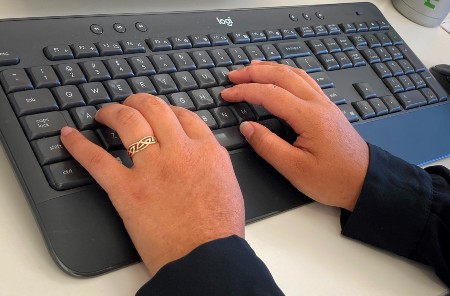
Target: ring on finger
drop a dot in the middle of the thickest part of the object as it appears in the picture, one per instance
(141, 145)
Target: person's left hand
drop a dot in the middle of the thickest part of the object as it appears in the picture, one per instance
(181, 191)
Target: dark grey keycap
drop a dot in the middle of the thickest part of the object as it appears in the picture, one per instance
(333, 29)
(378, 106)
(406, 82)
(58, 52)
(290, 62)
(219, 39)
(202, 99)
(396, 39)
(274, 126)
(118, 89)
(361, 27)
(70, 73)
(43, 76)
(221, 75)
(32, 101)
(371, 56)
(306, 31)
(239, 37)
(84, 50)
(119, 68)
(289, 34)
(322, 79)
(417, 80)
(230, 137)
(142, 84)
(257, 36)
(163, 64)
(343, 60)
(348, 28)
(67, 174)
(365, 90)
(395, 68)
(199, 41)
(394, 85)
(310, 64)
(344, 43)
(394, 52)
(68, 96)
(238, 56)
(260, 112)
(358, 40)
(179, 42)
(181, 99)
(159, 44)
(220, 57)
(391, 103)
(429, 95)
(242, 112)
(184, 81)
(406, 66)
(270, 52)
(109, 48)
(411, 57)
(373, 26)
(384, 39)
(204, 78)
(15, 80)
(335, 96)
(411, 99)
(224, 116)
(183, 61)
(94, 93)
(202, 59)
(273, 35)
(84, 117)
(254, 53)
(434, 85)
(329, 62)
(372, 41)
(215, 95)
(383, 54)
(364, 109)
(43, 124)
(349, 112)
(206, 116)
(8, 57)
(320, 30)
(141, 66)
(331, 45)
(382, 70)
(109, 138)
(294, 49)
(132, 46)
(95, 71)
(356, 58)
(164, 84)
(50, 150)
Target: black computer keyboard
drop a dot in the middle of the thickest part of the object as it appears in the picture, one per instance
(58, 71)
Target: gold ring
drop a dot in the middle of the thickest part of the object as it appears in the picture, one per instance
(141, 145)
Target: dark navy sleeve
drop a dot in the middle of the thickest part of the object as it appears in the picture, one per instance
(226, 266)
(404, 209)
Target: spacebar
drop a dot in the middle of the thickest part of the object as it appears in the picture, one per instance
(231, 138)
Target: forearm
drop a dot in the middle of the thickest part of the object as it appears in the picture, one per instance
(404, 209)
(225, 266)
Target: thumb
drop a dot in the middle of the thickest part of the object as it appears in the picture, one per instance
(280, 154)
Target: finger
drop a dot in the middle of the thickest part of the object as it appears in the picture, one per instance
(279, 153)
(283, 77)
(192, 124)
(102, 166)
(159, 115)
(297, 71)
(273, 98)
(126, 121)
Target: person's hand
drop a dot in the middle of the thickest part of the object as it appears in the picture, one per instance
(181, 191)
(328, 161)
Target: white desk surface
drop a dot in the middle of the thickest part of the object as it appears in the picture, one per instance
(303, 248)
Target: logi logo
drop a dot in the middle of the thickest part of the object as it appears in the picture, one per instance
(226, 21)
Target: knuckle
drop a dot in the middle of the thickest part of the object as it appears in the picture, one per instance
(97, 157)
(127, 116)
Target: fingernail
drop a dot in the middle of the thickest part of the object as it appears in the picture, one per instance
(247, 129)
(66, 130)
(226, 90)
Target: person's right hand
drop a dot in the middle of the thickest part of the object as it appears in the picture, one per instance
(328, 161)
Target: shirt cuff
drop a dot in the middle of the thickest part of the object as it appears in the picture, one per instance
(394, 204)
(226, 266)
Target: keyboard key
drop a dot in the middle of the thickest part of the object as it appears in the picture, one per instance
(270, 52)
(67, 174)
(163, 64)
(317, 46)
(289, 34)
(118, 89)
(348, 28)
(181, 99)
(132, 46)
(204, 78)
(411, 57)
(365, 90)
(320, 30)
(394, 52)
(361, 27)
(119, 68)
(391, 103)
(109, 138)
(206, 116)
(141, 66)
(202, 99)
(383, 54)
(254, 53)
(15, 80)
(242, 112)
(406, 66)
(329, 62)
(257, 36)
(84, 117)
(70, 74)
(199, 41)
(406, 82)
(180, 42)
(219, 39)
(293, 49)
(417, 80)
(260, 112)
(331, 45)
(395, 68)
(224, 116)
(335, 96)
(434, 85)
(306, 31)
(273, 35)
(184, 81)
(8, 58)
(239, 38)
(32, 101)
(344, 43)
(372, 41)
(333, 29)
(382, 70)
(343, 60)
(142, 84)
(322, 79)
(429, 95)
(68, 96)
(159, 44)
(358, 40)
(384, 39)
(373, 26)
(215, 95)
(371, 56)
(230, 137)
(378, 106)
(109, 48)
(309, 64)
(220, 58)
(183, 61)
(411, 99)
(58, 52)
(84, 50)
(44, 124)
(394, 85)
(238, 56)
(94, 93)
(364, 109)
(356, 58)
(164, 84)
(202, 59)
(95, 71)
(221, 75)
(43, 76)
